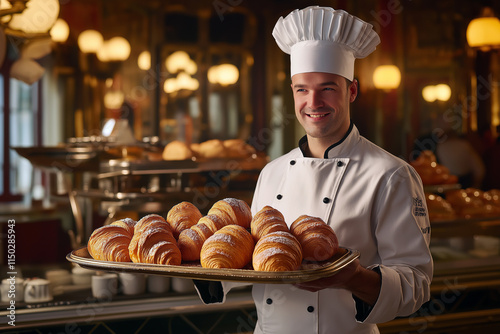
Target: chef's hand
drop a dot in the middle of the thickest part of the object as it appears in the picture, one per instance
(361, 282)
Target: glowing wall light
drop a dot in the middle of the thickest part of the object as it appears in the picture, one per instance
(386, 77)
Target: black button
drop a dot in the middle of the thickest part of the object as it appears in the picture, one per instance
(340, 164)
(326, 200)
(292, 162)
(310, 309)
(279, 196)
(269, 301)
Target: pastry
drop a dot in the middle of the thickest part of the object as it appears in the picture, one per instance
(126, 223)
(154, 245)
(230, 247)
(234, 211)
(318, 240)
(191, 240)
(110, 242)
(182, 216)
(213, 148)
(266, 221)
(238, 149)
(177, 150)
(215, 221)
(277, 251)
(151, 220)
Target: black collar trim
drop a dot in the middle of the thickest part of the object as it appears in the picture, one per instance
(303, 142)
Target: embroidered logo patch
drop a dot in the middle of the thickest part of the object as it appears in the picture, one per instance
(418, 208)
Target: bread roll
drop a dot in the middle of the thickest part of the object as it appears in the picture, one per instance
(191, 241)
(213, 148)
(182, 216)
(154, 245)
(177, 150)
(318, 240)
(230, 247)
(277, 251)
(266, 221)
(110, 242)
(150, 221)
(233, 211)
(238, 149)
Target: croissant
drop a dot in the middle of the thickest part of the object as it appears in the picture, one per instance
(191, 240)
(233, 210)
(318, 240)
(126, 223)
(214, 222)
(230, 247)
(150, 221)
(154, 245)
(182, 216)
(110, 242)
(266, 221)
(277, 251)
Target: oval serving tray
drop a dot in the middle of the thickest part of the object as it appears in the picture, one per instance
(308, 272)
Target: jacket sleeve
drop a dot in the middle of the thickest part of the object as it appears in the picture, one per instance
(402, 230)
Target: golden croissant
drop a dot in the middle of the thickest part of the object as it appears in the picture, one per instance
(110, 242)
(318, 240)
(155, 245)
(182, 216)
(230, 247)
(191, 241)
(277, 251)
(266, 221)
(233, 211)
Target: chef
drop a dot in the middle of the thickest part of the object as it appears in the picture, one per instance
(373, 200)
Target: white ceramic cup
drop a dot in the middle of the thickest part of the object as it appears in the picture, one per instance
(12, 289)
(37, 290)
(158, 284)
(132, 284)
(182, 285)
(82, 276)
(104, 286)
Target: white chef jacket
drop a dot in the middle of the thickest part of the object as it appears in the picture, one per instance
(375, 203)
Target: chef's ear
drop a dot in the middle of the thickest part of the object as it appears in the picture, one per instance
(353, 90)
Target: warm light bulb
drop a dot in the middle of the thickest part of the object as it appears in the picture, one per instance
(144, 60)
(118, 49)
(90, 41)
(483, 32)
(38, 17)
(386, 77)
(60, 31)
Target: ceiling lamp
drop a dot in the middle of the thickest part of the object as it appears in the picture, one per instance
(38, 17)
(484, 32)
(60, 31)
(144, 60)
(441, 92)
(180, 61)
(225, 74)
(90, 41)
(118, 49)
(387, 77)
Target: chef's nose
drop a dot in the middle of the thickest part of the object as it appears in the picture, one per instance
(315, 100)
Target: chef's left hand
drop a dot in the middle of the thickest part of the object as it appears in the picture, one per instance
(361, 282)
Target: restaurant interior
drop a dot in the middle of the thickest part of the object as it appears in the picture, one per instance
(121, 109)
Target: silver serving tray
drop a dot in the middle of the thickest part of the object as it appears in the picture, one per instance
(308, 272)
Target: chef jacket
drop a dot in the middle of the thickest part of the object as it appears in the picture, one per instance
(375, 203)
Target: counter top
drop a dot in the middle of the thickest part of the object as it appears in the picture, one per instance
(81, 307)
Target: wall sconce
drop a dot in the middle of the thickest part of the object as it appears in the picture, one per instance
(115, 49)
(224, 75)
(441, 92)
(60, 31)
(90, 41)
(28, 18)
(387, 77)
(182, 81)
(144, 60)
(180, 61)
(484, 32)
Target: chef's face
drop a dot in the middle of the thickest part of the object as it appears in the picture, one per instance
(322, 104)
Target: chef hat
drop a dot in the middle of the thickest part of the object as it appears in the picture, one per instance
(322, 39)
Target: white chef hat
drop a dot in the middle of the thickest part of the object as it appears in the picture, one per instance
(322, 39)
